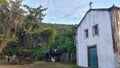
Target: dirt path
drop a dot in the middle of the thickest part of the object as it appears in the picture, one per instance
(6, 65)
(18, 66)
(13, 66)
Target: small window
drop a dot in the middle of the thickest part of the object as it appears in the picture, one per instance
(86, 33)
(95, 30)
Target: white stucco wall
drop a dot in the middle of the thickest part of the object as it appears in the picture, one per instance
(103, 41)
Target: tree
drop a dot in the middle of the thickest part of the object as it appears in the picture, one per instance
(35, 16)
(48, 36)
(32, 22)
(11, 16)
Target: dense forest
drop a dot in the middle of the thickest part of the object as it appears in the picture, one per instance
(22, 31)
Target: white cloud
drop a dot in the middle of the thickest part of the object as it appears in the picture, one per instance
(79, 13)
(61, 10)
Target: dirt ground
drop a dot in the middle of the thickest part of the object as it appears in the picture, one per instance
(39, 64)
(14, 66)
(19, 66)
(7, 65)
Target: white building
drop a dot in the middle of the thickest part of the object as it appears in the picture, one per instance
(98, 38)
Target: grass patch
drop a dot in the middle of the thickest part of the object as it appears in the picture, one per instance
(53, 65)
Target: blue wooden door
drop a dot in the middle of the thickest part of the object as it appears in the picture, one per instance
(92, 57)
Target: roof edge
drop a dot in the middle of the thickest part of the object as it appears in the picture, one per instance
(98, 9)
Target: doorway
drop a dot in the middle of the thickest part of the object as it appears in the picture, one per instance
(92, 57)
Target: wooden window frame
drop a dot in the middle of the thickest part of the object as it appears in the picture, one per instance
(86, 30)
(93, 30)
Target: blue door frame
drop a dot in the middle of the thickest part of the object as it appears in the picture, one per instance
(92, 57)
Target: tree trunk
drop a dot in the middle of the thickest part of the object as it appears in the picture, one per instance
(3, 45)
(6, 40)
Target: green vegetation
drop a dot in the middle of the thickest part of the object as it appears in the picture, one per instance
(24, 34)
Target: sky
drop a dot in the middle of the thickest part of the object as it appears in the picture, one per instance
(68, 11)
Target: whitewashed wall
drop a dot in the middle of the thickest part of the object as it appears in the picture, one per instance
(103, 41)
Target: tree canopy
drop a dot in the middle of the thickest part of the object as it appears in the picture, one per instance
(24, 31)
